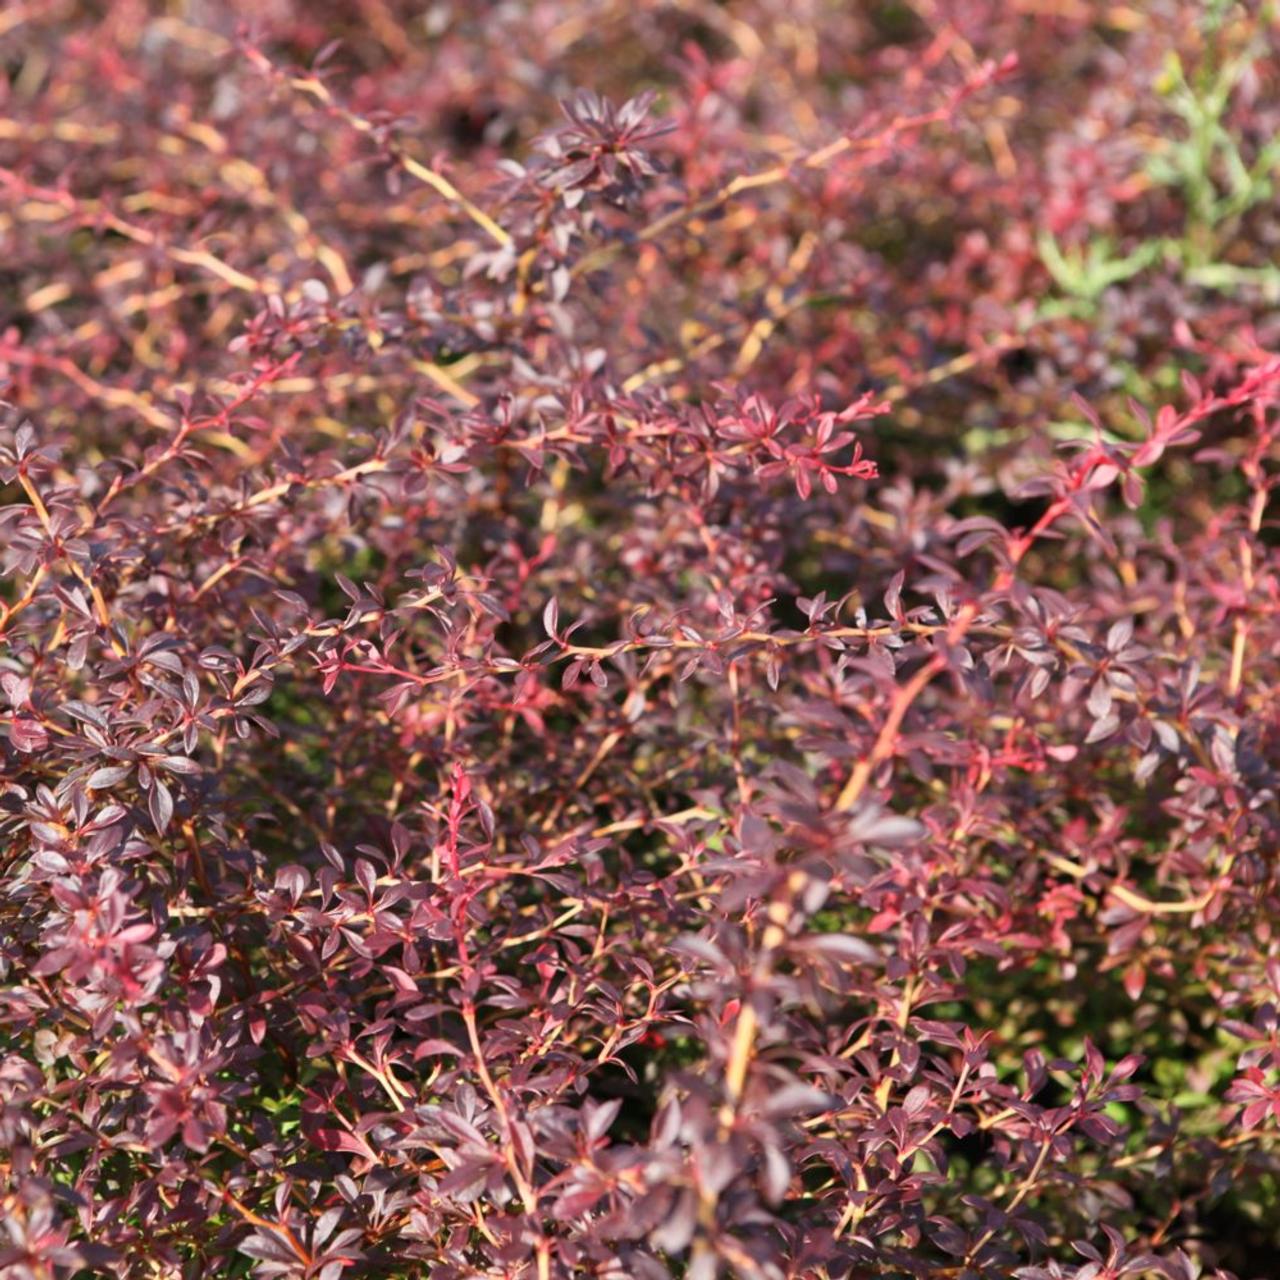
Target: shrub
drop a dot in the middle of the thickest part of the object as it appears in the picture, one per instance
(686, 687)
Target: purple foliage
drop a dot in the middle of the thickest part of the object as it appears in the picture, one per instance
(641, 688)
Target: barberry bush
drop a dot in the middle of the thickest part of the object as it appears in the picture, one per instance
(639, 639)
